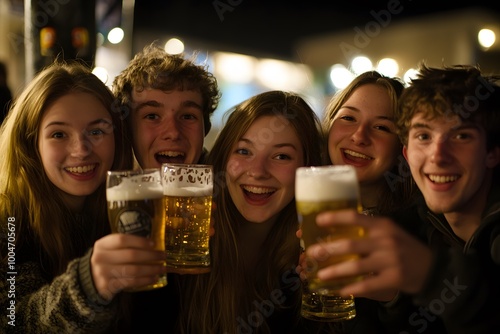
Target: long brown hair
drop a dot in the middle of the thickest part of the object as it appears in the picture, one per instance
(216, 300)
(46, 230)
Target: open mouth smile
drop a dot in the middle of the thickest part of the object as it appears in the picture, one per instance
(350, 153)
(169, 156)
(443, 178)
(81, 169)
(257, 193)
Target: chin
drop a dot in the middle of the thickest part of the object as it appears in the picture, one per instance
(439, 208)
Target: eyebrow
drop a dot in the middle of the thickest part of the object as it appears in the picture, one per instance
(419, 125)
(279, 145)
(462, 126)
(95, 122)
(357, 110)
(156, 104)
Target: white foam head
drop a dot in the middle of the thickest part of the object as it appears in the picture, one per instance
(172, 190)
(326, 183)
(130, 190)
(187, 180)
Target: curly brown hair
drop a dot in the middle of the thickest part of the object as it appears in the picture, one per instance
(460, 90)
(154, 68)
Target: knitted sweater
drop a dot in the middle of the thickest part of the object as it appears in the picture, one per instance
(67, 304)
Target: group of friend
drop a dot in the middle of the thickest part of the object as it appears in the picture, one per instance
(427, 157)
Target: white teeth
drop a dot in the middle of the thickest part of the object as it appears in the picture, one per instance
(171, 153)
(358, 155)
(443, 178)
(258, 190)
(81, 169)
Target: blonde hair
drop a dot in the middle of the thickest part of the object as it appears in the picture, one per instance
(399, 190)
(46, 230)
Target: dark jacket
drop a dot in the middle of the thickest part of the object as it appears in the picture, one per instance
(464, 286)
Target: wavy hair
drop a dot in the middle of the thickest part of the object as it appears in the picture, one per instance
(460, 90)
(46, 230)
(216, 300)
(155, 68)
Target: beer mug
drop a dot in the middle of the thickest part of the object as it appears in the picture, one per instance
(135, 206)
(187, 191)
(318, 189)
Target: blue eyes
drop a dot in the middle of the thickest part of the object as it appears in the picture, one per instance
(96, 132)
(242, 151)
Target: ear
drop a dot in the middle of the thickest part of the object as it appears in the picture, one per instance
(493, 157)
(405, 153)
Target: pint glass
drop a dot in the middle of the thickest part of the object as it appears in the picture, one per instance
(135, 206)
(187, 190)
(319, 189)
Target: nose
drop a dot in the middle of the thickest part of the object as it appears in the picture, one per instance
(170, 129)
(361, 135)
(81, 146)
(257, 168)
(440, 151)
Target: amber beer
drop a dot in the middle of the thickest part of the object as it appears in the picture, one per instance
(187, 191)
(312, 234)
(321, 189)
(135, 206)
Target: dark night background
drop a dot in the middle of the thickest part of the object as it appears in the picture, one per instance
(270, 28)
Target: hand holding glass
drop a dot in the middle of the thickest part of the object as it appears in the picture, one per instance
(320, 189)
(135, 206)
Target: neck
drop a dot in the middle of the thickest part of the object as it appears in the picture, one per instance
(255, 232)
(251, 238)
(74, 203)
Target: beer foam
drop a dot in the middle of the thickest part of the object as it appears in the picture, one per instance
(321, 184)
(129, 190)
(172, 189)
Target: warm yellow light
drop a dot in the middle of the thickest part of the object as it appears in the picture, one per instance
(486, 38)
(233, 67)
(101, 73)
(116, 35)
(388, 67)
(174, 46)
(361, 64)
(340, 76)
(410, 74)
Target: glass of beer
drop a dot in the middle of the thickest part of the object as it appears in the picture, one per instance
(187, 193)
(135, 206)
(318, 189)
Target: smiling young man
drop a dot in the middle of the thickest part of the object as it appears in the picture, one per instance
(168, 101)
(450, 128)
(450, 125)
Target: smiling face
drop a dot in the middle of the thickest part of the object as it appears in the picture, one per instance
(363, 134)
(450, 164)
(76, 145)
(167, 127)
(261, 168)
